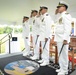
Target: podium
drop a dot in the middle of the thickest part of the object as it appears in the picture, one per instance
(14, 45)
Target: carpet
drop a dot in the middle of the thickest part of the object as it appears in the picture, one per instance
(40, 71)
(21, 67)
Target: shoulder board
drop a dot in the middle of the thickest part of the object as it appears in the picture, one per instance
(66, 13)
(47, 14)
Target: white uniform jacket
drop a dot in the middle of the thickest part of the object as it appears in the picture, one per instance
(45, 27)
(26, 29)
(63, 27)
(36, 26)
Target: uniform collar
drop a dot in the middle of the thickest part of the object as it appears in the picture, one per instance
(34, 17)
(63, 12)
(45, 14)
(26, 21)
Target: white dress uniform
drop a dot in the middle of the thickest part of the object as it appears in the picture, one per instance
(25, 33)
(35, 33)
(45, 32)
(62, 32)
(31, 22)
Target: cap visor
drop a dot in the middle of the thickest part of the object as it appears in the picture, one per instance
(59, 6)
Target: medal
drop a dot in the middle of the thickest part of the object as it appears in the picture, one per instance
(60, 21)
(42, 19)
(33, 21)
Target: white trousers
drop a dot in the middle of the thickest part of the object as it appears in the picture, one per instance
(27, 47)
(36, 46)
(63, 59)
(45, 51)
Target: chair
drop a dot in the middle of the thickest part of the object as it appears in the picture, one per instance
(53, 50)
(32, 48)
(31, 41)
(72, 52)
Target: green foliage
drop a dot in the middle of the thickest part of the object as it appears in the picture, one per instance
(17, 30)
(1, 30)
(20, 30)
(7, 29)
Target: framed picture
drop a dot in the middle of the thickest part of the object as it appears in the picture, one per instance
(73, 32)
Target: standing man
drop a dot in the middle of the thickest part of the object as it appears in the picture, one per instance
(62, 32)
(35, 33)
(25, 35)
(34, 22)
(45, 34)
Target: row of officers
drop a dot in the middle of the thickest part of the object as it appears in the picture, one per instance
(42, 23)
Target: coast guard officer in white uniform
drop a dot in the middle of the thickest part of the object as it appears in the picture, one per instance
(62, 32)
(34, 23)
(25, 35)
(45, 33)
(35, 33)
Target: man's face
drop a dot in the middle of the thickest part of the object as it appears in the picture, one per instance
(25, 19)
(43, 11)
(34, 13)
(61, 9)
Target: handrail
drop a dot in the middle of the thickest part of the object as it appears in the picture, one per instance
(23, 49)
(10, 36)
(5, 41)
(5, 36)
